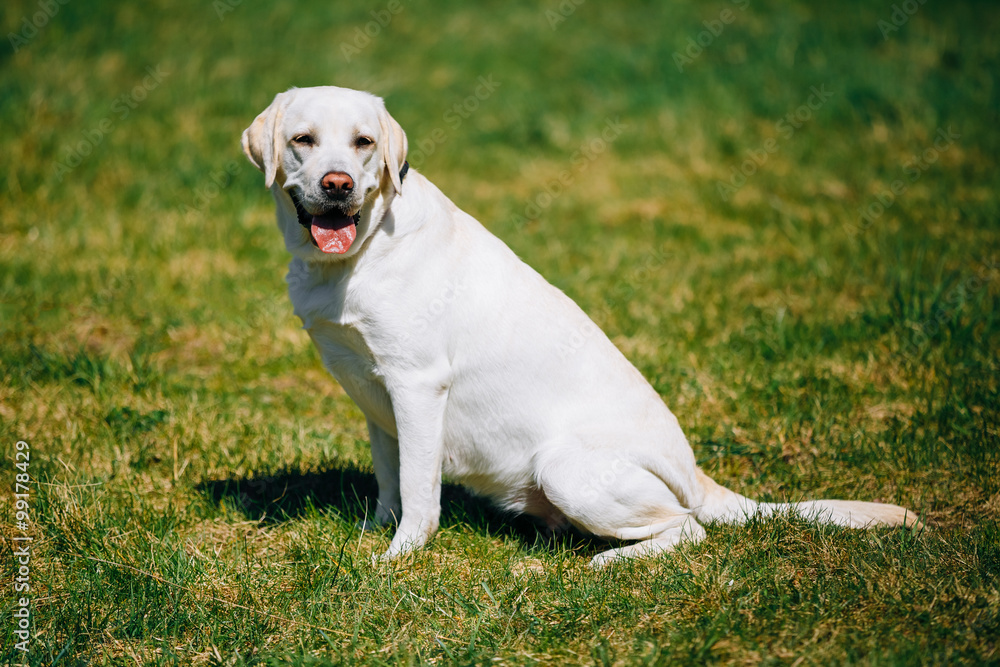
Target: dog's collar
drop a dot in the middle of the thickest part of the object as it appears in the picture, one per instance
(402, 172)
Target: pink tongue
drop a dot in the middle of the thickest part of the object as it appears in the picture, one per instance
(333, 234)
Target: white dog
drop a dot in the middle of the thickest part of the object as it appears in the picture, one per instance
(451, 347)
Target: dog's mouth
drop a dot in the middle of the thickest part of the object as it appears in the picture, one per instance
(332, 232)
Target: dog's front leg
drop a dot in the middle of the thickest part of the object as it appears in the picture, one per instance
(385, 457)
(418, 404)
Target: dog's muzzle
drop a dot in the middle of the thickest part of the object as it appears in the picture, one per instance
(333, 231)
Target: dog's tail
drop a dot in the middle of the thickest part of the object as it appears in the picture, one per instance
(721, 504)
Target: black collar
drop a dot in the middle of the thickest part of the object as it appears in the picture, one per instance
(402, 172)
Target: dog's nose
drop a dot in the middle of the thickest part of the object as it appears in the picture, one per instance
(337, 183)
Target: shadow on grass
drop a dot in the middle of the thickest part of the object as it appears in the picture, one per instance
(351, 492)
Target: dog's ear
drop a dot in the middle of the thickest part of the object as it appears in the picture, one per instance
(263, 142)
(393, 148)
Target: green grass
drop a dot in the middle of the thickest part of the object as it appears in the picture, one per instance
(197, 476)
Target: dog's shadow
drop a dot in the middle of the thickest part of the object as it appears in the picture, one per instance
(351, 492)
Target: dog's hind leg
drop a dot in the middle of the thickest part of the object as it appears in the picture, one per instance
(683, 528)
(611, 496)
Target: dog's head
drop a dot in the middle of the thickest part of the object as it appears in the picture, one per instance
(332, 158)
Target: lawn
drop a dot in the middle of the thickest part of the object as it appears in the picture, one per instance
(785, 214)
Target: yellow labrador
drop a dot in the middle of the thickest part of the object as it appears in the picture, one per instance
(455, 350)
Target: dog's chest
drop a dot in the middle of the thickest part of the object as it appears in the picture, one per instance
(346, 355)
(342, 346)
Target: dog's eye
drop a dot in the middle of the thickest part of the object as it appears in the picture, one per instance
(303, 139)
(361, 142)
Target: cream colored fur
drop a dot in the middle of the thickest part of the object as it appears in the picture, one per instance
(456, 352)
